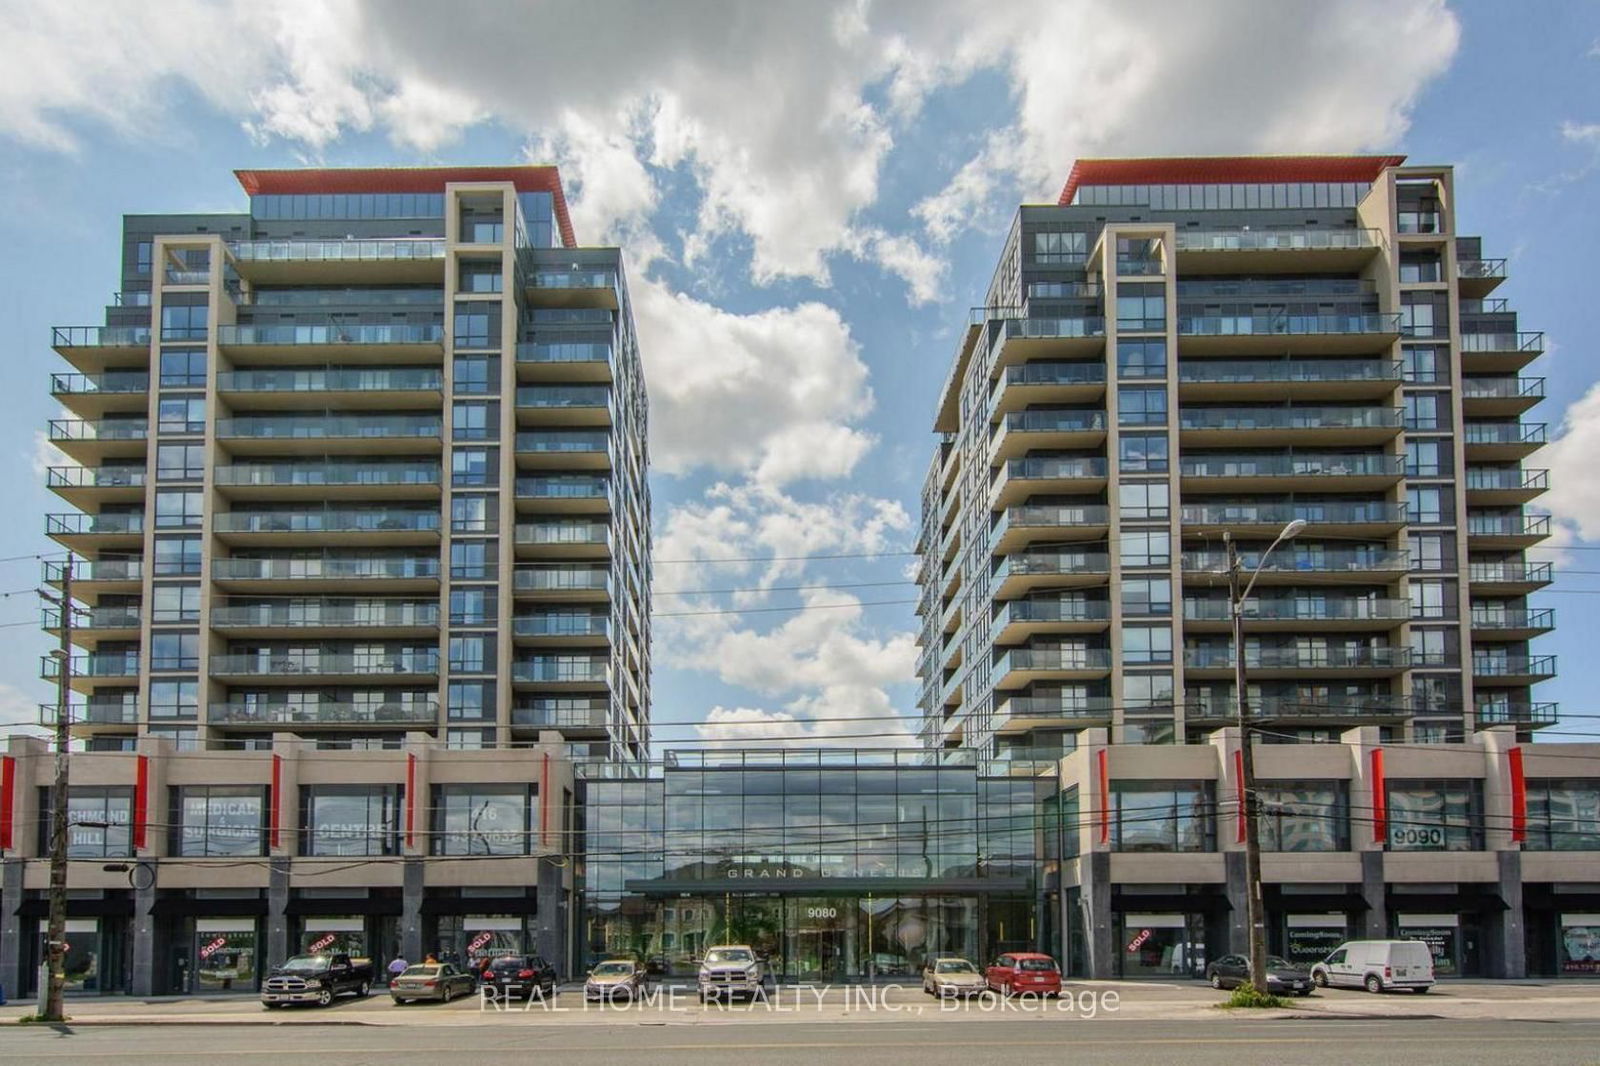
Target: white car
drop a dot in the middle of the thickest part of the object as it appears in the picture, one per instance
(730, 970)
(951, 977)
(1377, 966)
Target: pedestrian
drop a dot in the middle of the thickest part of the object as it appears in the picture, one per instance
(397, 967)
(431, 960)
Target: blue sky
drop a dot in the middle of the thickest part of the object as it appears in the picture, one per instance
(811, 197)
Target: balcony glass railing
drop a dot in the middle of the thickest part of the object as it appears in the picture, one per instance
(1255, 325)
(1488, 478)
(563, 488)
(564, 533)
(1513, 666)
(1513, 618)
(560, 396)
(1051, 328)
(96, 618)
(1298, 707)
(326, 521)
(563, 717)
(82, 524)
(292, 569)
(1508, 525)
(271, 664)
(1498, 712)
(1052, 563)
(1065, 290)
(573, 279)
(409, 379)
(334, 474)
(111, 383)
(1247, 371)
(1063, 659)
(311, 335)
(561, 579)
(1042, 469)
(1312, 512)
(564, 352)
(96, 570)
(1504, 433)
(1522, 341)
(100, 337)
(1054, 374)
(560, 670)
(309, 613)
(92, 477)
(93, 665)
(1245, 240)
(1297, 465)
(1308, 609)
(1299, 658)
(337, 251)
(1043, 515)
(1052, 610)
(1513, 573)
(317, 427)
(1502, 388)
(1319, 562)
(561, 625)
(322, 713)
(1086, 707)
(1481, 268)
(80, 429)
(1249, 418)
(1055, 422)
(556, 442)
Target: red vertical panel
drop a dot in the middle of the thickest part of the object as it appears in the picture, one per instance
(544, 803)
(141, 799)
(8, 812)
(1238, 787)
(274, 826)
(411, 800)
(1105, 800)
(1519, 797)
(1380, 813)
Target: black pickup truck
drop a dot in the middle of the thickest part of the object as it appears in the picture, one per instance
(315, 979)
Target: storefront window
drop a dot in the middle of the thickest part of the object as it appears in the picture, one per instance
(98, 822)
(1161, 816)
(351, 820)
(1579, 948)
(1303, 818)
(477, 820)
(1563, 816)
(1162, 945)
(472, 939)
(338, 936)
(226, 950)
(220, 820)
(1310, 938)
(1442, 934)
(1435, 815)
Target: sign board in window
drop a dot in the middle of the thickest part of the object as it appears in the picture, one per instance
(1580, 944)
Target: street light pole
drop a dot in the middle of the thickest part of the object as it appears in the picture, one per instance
(1255, 910)
(51, 1009)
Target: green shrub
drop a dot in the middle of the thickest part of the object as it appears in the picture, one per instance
(1247, 996)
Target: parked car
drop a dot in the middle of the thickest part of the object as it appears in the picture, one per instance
(516, 977)
(729, 970)
(615, 979)
(1283, 977)
(951, 977)
(315, 979)
(1024, 971)
(1377, 966)
(440, 981)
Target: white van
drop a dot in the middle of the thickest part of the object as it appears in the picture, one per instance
(1377, 966)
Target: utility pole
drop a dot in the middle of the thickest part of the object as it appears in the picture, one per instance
(1255, 914)
(51, 1009)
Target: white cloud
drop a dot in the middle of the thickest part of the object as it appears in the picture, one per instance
(45, 455)
(1574, 496)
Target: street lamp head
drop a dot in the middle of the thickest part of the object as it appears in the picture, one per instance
(1293, 529)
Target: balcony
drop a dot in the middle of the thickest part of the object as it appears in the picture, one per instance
(1477, 278)
(1503, 486)
(1027, 384)
(560, 717)
(418, 573)
(572, 288)
(89, 487)
(1516, 578)
(92, 671)
(1019, 620)
(1512, 669)
(94, 349)
(1297, 661)
(1504, 397)
(1369, 518)
(1201, 472)
(340, 388)
(1502, 441)
(1024, 340)
(1277, 379)
(1025, 431)
(329, 434)
(1288, 566)
(565, 583)
(93, 442)
(317, 481)
(1245, 251)
(1368, 333)
(1021, 667)
(1287, 613)
(561, 670)
(314, 262)
(353, 343)
(325, 667)
(291, 528)
(564, 450)
(1507, 531)
(1290, 709)
(96, 577)
(565, 494)
(1491, 622)
(1258, 427)
(1499, 353)
(564, 405)
(1026, 572)
(96, 532)
(96, 623)
(1524, 715)
(330, 618)
(322, 714)
(1019, 479)
(1021, 525)
(94, 395)
(558, 629)
(565, 361)
(563, 540)
(1020, 714)
(91, 718)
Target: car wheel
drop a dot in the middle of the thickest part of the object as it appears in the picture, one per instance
(398, 1002)
(1303, 993)
(271, 1006)
(324, 997)
(1319, 979)
(1374, 983)
(1216, 981)
(364, 990)
(1420, 989)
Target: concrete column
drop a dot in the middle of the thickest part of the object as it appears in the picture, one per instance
(144, 979)
(1233, 869)
(11, 965)
(1095, 899)
(1508, 947)
(549, 934)
(1375, 922)
(411, 892)
(278, 947)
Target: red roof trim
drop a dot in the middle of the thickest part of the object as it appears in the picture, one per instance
(315, 182)
(1225, 170)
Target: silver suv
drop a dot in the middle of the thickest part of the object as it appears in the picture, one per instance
(730, 970)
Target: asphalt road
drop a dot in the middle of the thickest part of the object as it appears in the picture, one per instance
(1126, 1043)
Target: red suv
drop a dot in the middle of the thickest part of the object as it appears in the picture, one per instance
(1024, 971)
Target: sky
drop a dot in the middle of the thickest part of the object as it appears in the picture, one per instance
(810, 196)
